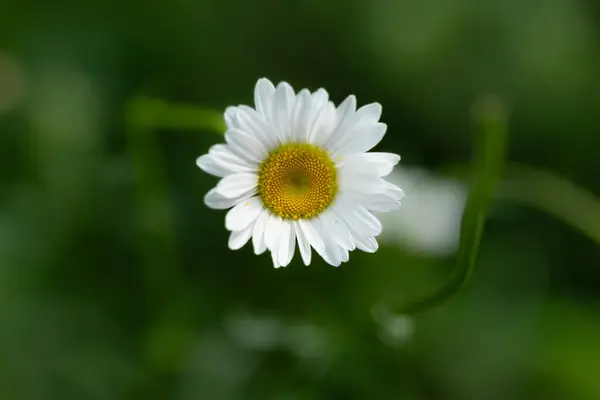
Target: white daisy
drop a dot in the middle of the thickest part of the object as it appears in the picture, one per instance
(296, 168)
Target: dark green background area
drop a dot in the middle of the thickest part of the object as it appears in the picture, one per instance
(116, 282)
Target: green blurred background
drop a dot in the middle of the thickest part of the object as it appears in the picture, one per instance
(116, 281)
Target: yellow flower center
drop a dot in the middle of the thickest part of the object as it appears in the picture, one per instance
(297, 181)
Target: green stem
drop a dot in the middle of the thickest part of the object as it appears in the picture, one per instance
(491, 132)
(547, 191)
(555, 195)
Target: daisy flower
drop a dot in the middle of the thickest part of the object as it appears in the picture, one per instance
(297, 169)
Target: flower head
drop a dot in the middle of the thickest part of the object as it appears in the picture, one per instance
(296, 169)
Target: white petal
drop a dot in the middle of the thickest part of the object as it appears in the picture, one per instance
(222, 155)
(369, 113)
(375, 194)
(381, 163)
(316, 106)
(345, 255)
(367, 184)
(246, 146)
(364, 117)
(283, 108)
(324, 125)
(274, 257)
(359, 220)
(331, 252)
(273, 232)
(312, 235)
(242, 215)
(208, 165)
(350, 180)
(258, 235)
(346, 108)
(302, 113)
(382, 187)
(238, 239)
(345, 112)
(354, 166)
(318, 99)
(230, 117)
(358, 217)
(363, 139)
(385, 162)
(263, 97)
(287, 244)
(337, 229)
(303, 244)
(253, 122)
(369, 220)
(368, 244)
(237, 184)
(377, 201)
(334, 254)
(214, 199)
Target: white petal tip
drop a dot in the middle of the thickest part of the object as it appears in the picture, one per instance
(201, 160)
(400, 195)
(230, 111)
(284, 85)
(264, 81)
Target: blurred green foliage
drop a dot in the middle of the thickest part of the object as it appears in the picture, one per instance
(116, 281)
(490, 142)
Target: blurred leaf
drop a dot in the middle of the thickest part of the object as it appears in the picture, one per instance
(169, 304)
(567, 354)
(155, 216)
(488, 161)
(153, 205)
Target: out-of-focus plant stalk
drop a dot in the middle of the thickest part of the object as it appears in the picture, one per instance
(490, 139)
(559, 197)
